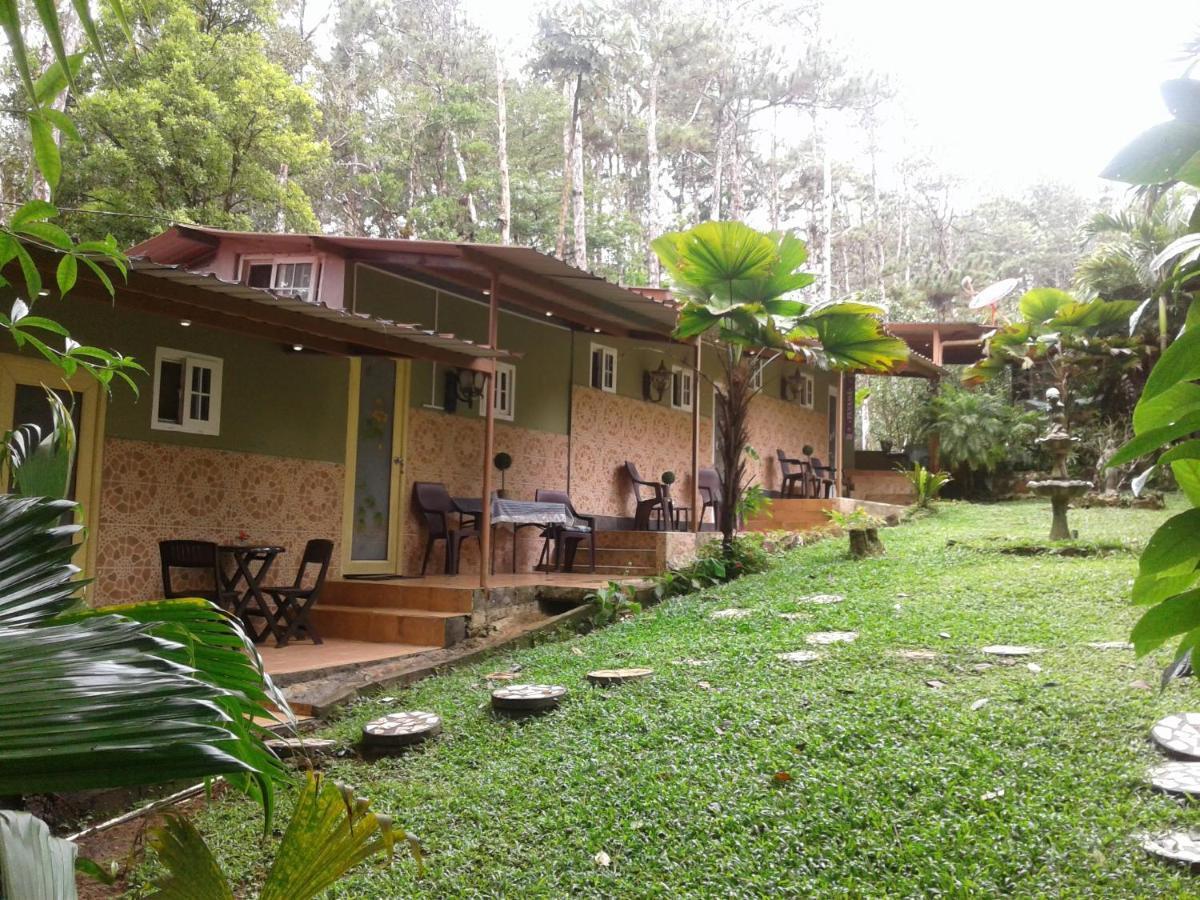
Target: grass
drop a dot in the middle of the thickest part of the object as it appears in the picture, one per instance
(896, 788)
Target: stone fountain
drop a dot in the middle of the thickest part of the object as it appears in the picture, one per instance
(1059, 487)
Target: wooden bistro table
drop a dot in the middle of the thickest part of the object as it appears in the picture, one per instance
(251, 563)
(518, 514)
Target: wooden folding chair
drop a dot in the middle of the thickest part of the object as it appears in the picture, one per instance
(294, 603)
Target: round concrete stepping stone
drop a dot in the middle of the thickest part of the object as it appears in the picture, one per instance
(730, 614)
(1009, 650)
(793, 616)
(1176, 778)
(286, 748)
(832, 637)
(605, 677)
(1110, 645)
(916, 655)
(1175, 846)
(800, 657)
(1178, 733)
(396, 731)
(823, 599)
(527, 697)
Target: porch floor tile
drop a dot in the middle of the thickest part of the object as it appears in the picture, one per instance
(304, 656)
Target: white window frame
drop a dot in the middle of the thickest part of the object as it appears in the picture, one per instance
(687, 387)
(606, 354)
(757, 367)
(505, 401)
(275, 262)
(190, 362)
(808, 390)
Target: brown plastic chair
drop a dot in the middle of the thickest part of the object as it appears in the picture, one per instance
(822, 477)
(565, 538)
(656, 504)
(793, 472)
(294, 602)
(710, 496)
(201, 555)
(435, 505)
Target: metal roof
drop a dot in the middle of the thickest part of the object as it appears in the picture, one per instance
(528, 278)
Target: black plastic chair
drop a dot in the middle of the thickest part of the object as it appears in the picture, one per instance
(294, 603)
(710, 496)
(823, 481)
(435, 505)
(656, 504)
(566, 539)
(195, 555)
(792, 476)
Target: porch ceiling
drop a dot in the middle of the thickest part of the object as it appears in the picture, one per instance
(175, 292)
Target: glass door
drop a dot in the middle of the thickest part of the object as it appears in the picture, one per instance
(23, 401)
(377, 416)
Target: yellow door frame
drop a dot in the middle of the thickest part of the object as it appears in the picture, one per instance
(89, 449)
(398, 505)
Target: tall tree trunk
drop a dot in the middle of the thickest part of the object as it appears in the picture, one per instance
(461, 165)
(737, 196)
(773, 170)
(568, 138)
(653, 201)
(281, 210)
(502, 150)
(827, 219)
(718, 172)
(579, 210)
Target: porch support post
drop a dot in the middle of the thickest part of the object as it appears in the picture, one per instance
(489, 440)
(839, 443)
(935, 440)
(696, 506)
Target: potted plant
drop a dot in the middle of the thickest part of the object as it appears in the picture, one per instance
(885, 444)
(503, 462)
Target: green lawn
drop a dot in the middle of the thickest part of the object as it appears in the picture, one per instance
(896, 788)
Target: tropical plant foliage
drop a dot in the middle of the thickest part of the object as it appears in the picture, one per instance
(1167, 416)
(926, 485)
(738, 288)
(978, 431)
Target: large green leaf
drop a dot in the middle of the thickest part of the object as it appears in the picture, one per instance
(36, 576)
(1176, 615)
(192, 871)
(784, 276)
(1157, 587)
(1174, 549)
(714, 256)
(1149, 441)
(858, 342)
(1166, 407)
(34, 865)
(1104, 316)
(41, 463)
(1187, 474)
(1162, 153)
(1180, 362)
(1040, 305)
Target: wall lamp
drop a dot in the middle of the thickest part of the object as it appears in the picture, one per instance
(463, 386)
(792, 386)
(656, 382)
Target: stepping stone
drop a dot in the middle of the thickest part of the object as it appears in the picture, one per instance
(1110, 645)
(730, 614)
(823, 599)
(799, 657)
(286, 748)
(1176, 778)
(793, 616)
(935, 684)
(916, 655)
(693, 662)
(982, 667)
(605, 677)
(396, 731)
(1179, 734)
(1010, 650)
(527, 697)
(831, 637)
(1176, 846)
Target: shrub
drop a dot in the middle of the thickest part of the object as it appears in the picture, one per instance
(979, 432)
(925, 484)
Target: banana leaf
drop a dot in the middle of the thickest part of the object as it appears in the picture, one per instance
(33, 864)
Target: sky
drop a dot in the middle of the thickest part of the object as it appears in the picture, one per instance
(1000, 94)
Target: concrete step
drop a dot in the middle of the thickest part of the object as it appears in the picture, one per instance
(614, 571)
(631, 540)
(402, 626)
(616, 556)
(397, 595)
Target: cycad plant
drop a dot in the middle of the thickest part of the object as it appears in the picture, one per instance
(738, 290)
(927, 486)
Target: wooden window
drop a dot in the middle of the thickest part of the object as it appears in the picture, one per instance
(683, 388)
(806, 391)
(604, 368)
(283, 275)
(187, 392)
(506, 392)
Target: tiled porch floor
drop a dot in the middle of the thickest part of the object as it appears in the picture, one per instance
(304, 656)
(585, 580)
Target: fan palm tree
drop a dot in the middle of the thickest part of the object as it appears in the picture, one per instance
(737, 287)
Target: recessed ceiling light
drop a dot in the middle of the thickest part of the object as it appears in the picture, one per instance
(43, 293)
(185, 322)
(297, 347)
(548, 314)
(597, 330)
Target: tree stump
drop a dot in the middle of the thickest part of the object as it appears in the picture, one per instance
(865, 542)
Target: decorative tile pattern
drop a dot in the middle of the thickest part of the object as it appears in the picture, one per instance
(775, 424)
(401, 729)
(527, 697)
(449, 449)
(1179, 734)
(608, 429)
(152, 492)
(1176, 778)
(1176, 846)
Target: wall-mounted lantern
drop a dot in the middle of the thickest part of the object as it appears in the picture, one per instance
(656, 383)
(791, 387)
(463, 385)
